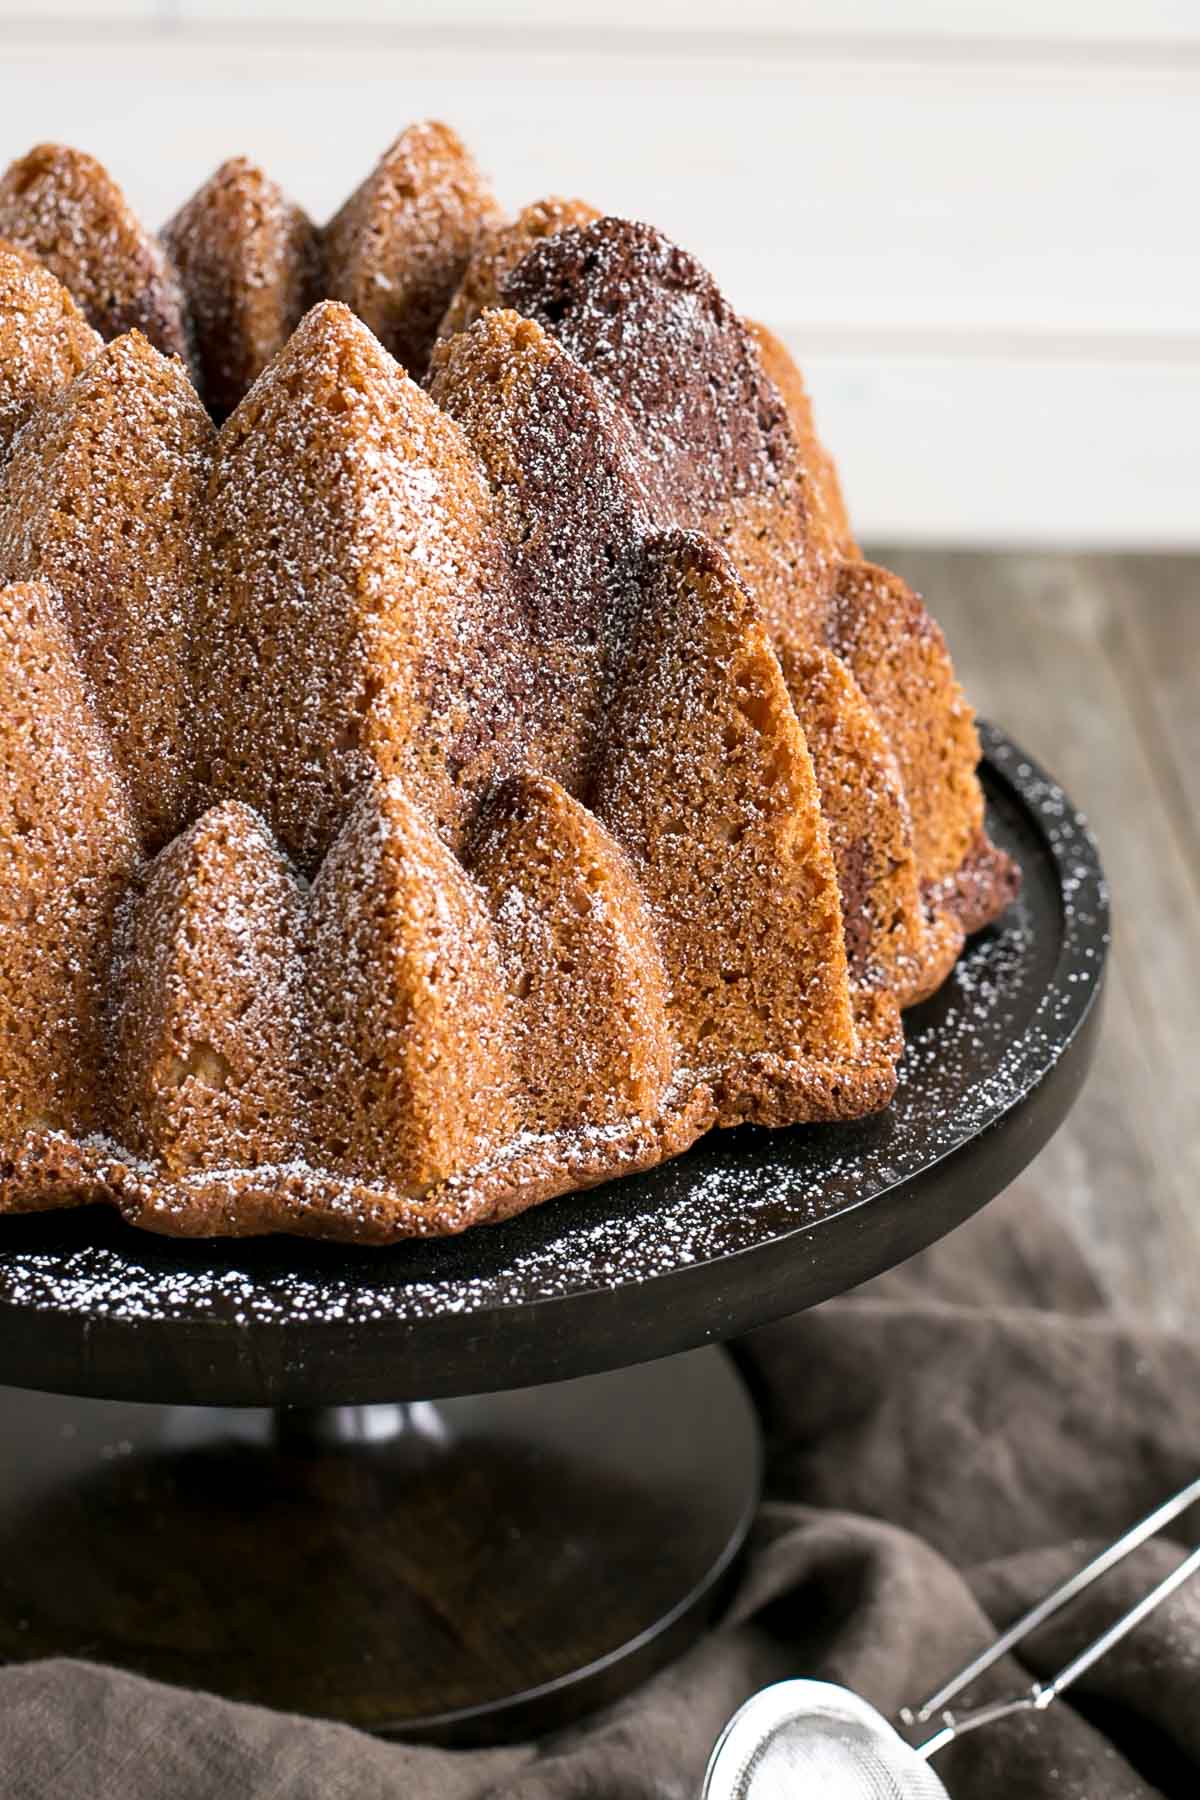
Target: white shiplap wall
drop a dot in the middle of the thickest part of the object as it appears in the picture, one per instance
(975, 223)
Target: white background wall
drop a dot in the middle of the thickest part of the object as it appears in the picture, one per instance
(976, 223)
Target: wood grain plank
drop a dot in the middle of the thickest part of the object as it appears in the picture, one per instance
(1155, 629)
(1032, 636)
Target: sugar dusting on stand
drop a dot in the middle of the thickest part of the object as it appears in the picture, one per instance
(1007, 1014)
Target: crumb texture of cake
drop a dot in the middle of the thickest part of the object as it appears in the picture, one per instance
(454, 751)
(44, 340)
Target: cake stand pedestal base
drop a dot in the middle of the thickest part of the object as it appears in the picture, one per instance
(463, 1571)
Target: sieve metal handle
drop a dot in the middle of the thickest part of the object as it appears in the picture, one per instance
(1061, 1596)
(1038, 1697)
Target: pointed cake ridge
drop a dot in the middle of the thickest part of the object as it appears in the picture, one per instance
(44, 340)
(351, 535)
(899, 658)
(572, 487)
(207, 1029)
(500, 248)
(590, 286)
(249, 261)
(581, 959)
(408, 1014)
(892, 946)
(65, 208)
(646, 319)
(710, 790)
(399, 246)
(102, 497)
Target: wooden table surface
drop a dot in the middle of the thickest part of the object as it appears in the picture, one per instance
(1093, 664)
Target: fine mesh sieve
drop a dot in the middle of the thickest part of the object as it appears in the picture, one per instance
(802, 1738)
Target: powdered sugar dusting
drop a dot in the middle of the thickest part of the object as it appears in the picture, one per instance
(61, 205)
(367, 591)
(998, 1029)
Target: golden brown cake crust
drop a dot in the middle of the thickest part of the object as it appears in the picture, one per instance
(68, 852)
(102, 498)
(206, 1041)
(582, 962)
(893, 945)
(441, 799)
(66, 210)
(735, 454)
(400, 245)
(249, 263)
(44, 340)
(708, 785)
(350, 534)
(898, 656)
(500, 248)
(410, 1020)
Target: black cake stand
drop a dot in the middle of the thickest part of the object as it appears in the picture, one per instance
(259, 1486)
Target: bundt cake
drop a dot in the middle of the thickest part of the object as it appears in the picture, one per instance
(432, 785)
